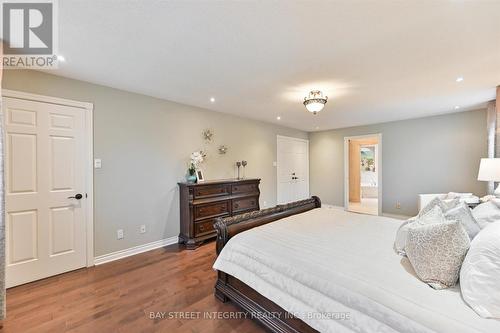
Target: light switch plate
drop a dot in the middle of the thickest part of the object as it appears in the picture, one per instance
(97, 163)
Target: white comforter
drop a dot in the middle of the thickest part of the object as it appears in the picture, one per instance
(327, 263)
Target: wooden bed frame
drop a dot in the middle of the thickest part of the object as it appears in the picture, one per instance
(229, 288)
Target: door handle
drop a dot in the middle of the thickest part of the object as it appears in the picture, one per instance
(77, 196)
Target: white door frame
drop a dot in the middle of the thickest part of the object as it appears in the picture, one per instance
(277, 166)
(88, 109)
(346, 168)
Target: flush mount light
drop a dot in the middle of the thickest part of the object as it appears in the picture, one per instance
(278, 118)
(457, 107)
(315, 101)
(61, 58)
(212, 99)
(459, 79)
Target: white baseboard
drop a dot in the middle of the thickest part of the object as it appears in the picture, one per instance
(396, 216)
(134, 250)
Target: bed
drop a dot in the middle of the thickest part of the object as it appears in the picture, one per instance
(302, 268)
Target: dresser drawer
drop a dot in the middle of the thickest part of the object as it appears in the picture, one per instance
(211, 210)
(204, 227)
(208, 191)
(244, 188)
(245, 204)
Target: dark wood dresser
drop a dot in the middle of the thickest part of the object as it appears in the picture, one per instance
(202, 203)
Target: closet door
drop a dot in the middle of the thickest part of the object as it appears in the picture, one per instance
(292, 169)
(45, 189)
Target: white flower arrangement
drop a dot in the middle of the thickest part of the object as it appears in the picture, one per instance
(196, 159)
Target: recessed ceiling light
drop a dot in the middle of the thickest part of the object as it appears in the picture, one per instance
(457, 107)
(459, 79)
(212, 99)
(61, 58)
(278, 118)
(317, 127)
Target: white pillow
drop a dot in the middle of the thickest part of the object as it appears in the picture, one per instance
(434, 215)
(486, 213)
(463, 214)
(445, 205)
(436, 252)
(480, 274)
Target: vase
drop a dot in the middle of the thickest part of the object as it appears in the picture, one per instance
(191, 179)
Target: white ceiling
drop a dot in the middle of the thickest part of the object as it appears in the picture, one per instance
(376, 60)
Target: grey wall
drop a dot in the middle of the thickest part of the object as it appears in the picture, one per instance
(427, 155)
(144, 144)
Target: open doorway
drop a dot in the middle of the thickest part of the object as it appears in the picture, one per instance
(363, 174)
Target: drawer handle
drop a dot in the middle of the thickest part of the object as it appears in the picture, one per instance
(202, 227)
(252, 202)
(236, 189)
(236, 205)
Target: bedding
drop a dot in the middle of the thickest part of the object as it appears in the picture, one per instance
(487, 212)
(328, 261)
(463, 214)
(480, 274)
(436, 252)
(431, 216)
(444, 204)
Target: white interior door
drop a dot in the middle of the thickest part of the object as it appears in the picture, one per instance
(44, 169)
(293, 169)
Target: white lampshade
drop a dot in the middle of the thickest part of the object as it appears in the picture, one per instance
(489, 170)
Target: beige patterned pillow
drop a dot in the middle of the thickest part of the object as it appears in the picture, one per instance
(436, 252)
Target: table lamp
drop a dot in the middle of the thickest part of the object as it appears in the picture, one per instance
(489, 171)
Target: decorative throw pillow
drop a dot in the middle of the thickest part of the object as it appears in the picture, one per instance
(434, 215)
(480, 274)
(463, 214)
(436, 252)
(486, 213)
(445, 205)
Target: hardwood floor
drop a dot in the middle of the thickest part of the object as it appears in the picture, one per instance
(119, 296)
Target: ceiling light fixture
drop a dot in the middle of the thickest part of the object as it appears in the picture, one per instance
(61, 58)
(278, 118)
(315, 101)
(459, 79)
(457, 107)
(212, 99)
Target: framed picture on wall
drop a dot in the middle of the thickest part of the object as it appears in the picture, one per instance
(199, 176)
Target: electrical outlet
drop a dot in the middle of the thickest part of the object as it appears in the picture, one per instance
(97, 163)
(264, 204)
(119, 234)
(398, 205)
(142, 229)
